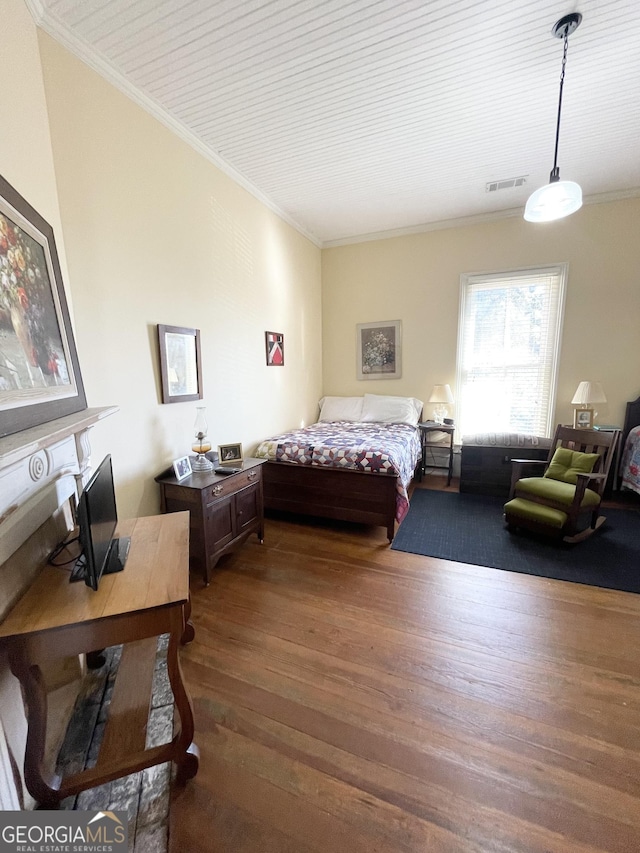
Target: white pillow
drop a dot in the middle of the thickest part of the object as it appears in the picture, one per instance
(341, 408)
(391, 410)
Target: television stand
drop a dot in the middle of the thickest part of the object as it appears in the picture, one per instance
(56, 619)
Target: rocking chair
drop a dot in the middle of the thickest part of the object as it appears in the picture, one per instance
(565, 500)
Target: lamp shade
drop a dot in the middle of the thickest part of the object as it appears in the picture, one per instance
(587, 393)
(441, 394)
(553, 201)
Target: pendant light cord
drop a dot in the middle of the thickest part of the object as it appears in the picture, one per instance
(555, 172)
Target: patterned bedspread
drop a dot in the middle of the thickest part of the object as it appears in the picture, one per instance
(380, 448)
(630, 467)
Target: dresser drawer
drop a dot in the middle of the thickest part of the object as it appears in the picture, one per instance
(232, 483)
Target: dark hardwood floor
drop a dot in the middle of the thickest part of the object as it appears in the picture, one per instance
(353, 699)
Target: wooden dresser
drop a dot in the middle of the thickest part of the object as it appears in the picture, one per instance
(224, 510)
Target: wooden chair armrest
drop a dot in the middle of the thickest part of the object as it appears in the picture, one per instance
(516, 470)
(581, 485)
(584, 481)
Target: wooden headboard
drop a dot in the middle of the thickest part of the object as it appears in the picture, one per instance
(631, 419)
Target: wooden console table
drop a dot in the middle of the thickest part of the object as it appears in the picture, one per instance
(58, 619)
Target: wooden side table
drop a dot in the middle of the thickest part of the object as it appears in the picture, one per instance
(225, 509)
(427, 428)
(58, 619)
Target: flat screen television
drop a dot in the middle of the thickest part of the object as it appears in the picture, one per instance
(97, 517)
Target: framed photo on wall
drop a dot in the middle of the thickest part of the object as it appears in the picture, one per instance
(39, 370)
(274, 343)
(583, 418)
(379, 350)
(180, 364)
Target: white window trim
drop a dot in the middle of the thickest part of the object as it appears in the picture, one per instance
(560, 269)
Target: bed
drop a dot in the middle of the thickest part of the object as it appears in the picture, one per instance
(354, 464)
(630, 464)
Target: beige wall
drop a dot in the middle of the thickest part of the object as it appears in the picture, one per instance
(154, 234)
(157, 234)
(417, 279)
(26, 161)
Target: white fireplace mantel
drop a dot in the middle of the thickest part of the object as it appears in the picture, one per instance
(41, 468)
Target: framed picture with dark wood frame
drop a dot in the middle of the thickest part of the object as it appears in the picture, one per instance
(583, 418)
(274, 343)
(180, 364)
(40, 376)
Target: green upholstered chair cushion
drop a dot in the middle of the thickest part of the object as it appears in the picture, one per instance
(554, 490)
(527, 510)
(567, 464)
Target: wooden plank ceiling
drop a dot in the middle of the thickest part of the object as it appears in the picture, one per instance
(353, 117)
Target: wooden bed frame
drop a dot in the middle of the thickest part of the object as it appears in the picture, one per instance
(344, 495)
(631, 420)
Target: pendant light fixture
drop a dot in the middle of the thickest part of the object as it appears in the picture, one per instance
(558, 198)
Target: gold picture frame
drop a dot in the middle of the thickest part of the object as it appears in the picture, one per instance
(583, 418)
(230, 454)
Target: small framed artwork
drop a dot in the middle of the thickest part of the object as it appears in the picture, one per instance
(180, 364)
(583, 418)
(379, 348)
(182, 467)
(39, 370)
(274, 342)
(229, 454)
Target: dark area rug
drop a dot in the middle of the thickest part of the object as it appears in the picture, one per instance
(471, 529)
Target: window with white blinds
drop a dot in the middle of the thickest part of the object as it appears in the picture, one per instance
(508, 349)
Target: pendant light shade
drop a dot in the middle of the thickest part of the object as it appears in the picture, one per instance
(557, 198)
(553, 201)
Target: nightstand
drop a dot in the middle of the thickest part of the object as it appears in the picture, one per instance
(225, 510)
(427, 429)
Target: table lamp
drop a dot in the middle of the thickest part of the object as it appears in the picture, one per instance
(588, 393)
(441, 395)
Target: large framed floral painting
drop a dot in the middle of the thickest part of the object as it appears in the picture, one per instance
(39, 371)
(379, 347)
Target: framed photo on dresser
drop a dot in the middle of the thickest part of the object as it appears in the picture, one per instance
(583, 419)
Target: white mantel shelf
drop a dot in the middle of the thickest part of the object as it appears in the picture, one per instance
(29, 441)
(40, 469)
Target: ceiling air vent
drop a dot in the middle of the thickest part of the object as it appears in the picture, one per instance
(494, 186)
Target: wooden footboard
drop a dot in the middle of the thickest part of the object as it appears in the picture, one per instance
(344, 495)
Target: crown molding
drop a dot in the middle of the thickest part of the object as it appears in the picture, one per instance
(463, 221)
(58, 31)
(37, 10)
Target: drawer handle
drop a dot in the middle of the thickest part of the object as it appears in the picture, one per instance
(217, 490)
(252, 474)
